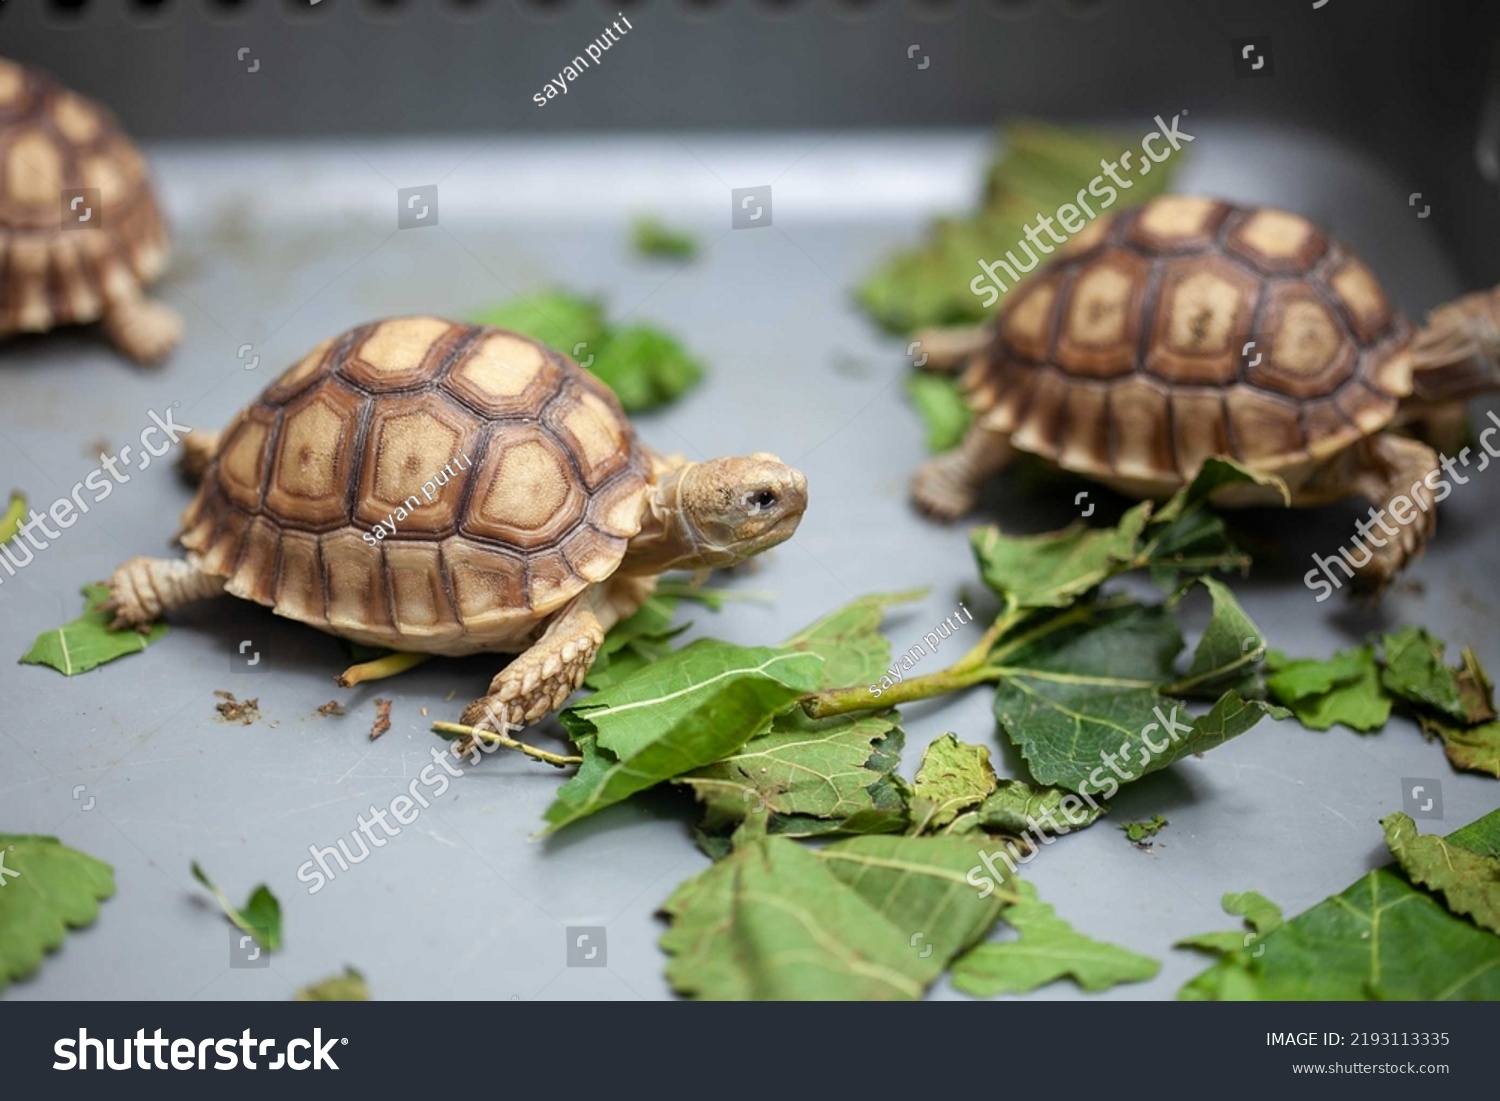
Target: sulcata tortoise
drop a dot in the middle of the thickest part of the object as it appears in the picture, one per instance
(1190, 328)
(443, 488)
(80, 232)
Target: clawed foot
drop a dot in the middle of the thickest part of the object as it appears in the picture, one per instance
(144, 330)
(940, 488)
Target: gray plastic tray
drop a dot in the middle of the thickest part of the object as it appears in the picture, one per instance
(281, 245)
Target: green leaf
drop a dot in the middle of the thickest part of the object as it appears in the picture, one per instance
(1091, 704)
(954, 777)
(1468, 881)
(867, 919)
(1181, 537)
(46, 888)
(690, 709)
(559, 320)
(87, 641)
(1382, 938)
(651, 237)
(940, 402)
(348, 987)
(13, 516)
(1048, 949)
(833, 771)
(1016, 807)
(634, 643)
(1055, 569)
(1259, 912)
(1415, 671)
(1140, 832)
(1475, 748)
(849, 639)
(260, 917)
(645, 368)
(643, 365)
(1344, 689)
(1042, 167)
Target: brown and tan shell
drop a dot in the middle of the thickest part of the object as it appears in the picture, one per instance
(1124, 359)
(51, 140)
(554, 487)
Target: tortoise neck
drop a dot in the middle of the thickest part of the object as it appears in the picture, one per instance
(1456, 355)
(667, 539)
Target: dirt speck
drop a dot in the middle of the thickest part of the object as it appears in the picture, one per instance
(332, 707)
(382, 718)
(232, 710)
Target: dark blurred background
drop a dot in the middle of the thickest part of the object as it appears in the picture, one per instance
(1409, 80)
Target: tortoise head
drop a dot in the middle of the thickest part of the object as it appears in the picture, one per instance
(721, 512)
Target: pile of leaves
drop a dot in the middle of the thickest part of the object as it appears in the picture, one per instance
(645, 367)
(1360, 687)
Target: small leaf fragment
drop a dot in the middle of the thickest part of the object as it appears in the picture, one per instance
(260, 917)
(348, 987)
(13, 516)
(87, 642)
(1141, 832)
(1048, 949)
(1344, 689)
(954, 776)
(1469, 882)
(940, 403)
(652, 237)
(46, 888)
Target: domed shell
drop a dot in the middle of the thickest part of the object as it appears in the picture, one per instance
(1189, 328)
(422, 482)
(63, 158)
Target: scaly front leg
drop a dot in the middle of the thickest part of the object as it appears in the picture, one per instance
(539, 681)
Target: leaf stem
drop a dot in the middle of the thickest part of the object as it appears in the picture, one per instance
(380, 668)
(458, 730)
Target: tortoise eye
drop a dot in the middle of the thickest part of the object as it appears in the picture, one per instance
(759, 501)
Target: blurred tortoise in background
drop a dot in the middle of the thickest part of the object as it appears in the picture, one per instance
(80, 231)
(443, 488)
(1189, 328)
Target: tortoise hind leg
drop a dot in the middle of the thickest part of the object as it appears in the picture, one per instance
(198, 451)
(539, 681)
(141, 589)
(1386, 470)
(144, 330)
(946, 487)
(946, 351)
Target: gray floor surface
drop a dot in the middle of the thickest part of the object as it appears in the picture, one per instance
(280, 246)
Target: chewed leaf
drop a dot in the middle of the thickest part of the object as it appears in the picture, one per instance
(87, 641)
(1469, 882)
(1048, 949)
(954, 777)
(849, 639)
(689, 709)
(868, 919)
(807, 776)
(1344, 689)
(46, 888)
